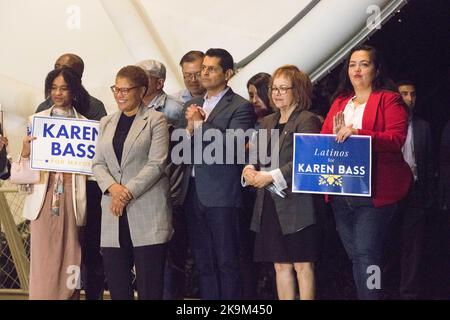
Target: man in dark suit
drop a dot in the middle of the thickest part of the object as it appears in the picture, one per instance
(410, 216)
(214, 192)
(92, 265)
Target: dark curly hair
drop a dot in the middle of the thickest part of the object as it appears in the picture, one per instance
(80, 97)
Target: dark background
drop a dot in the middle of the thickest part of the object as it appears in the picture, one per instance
(415, 46)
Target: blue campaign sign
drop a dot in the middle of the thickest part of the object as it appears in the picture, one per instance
(321, 165)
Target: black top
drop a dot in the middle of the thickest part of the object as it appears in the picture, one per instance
(280, 128)
(123, 127)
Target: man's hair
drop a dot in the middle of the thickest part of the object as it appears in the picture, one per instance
(153, 68)
(405, 83)
(192, 56)
(226, 59)
(76, 61)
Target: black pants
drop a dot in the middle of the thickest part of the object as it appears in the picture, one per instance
(249, 269)
(93, 275)
(174, 273)
(149, 265)
(214, 240)
(405, 248)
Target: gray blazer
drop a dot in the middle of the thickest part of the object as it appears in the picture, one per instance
(143, 172)
(297, 210)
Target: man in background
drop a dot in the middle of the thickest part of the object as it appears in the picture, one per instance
(191, 67)
(409, 220)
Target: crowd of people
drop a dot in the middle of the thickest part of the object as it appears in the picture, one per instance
(142, 212)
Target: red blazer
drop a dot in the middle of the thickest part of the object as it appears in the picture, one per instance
(385, 119)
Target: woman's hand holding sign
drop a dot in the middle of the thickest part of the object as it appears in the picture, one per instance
(342, 131)
(345, 132)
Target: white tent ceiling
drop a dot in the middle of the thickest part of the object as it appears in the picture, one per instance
(109, 34)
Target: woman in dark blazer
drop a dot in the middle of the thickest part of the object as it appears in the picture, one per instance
(364, 105)
(287, 234)
(129, 165)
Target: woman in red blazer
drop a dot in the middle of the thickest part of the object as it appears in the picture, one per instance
(364, 105)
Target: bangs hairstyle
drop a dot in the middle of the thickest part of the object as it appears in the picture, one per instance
(80, 97)
(134, 74)
(302, 87)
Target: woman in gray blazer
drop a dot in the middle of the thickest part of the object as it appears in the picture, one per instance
(287, 234)
(129, 166)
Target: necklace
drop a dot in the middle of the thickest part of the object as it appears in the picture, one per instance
(63, 113)
(357, 102)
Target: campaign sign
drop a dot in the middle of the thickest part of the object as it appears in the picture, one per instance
(63, 144)
(321, 165)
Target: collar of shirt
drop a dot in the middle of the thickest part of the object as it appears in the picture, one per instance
(211, 102)
(158, 102)
(408, 151)
(185, 96)
(354, 115)
(217, 97)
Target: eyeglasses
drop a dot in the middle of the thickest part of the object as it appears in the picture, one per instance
(124, 91)
(280, 90)
(189, 76)
(210, 69)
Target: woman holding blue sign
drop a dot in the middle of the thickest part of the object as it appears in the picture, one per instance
(129, 165)
(285, 223)
(56, 205)
(366, 104)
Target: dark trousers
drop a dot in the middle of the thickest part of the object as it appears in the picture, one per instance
(149, 266)
(406, 247)
(362, 229)
(249, 269)
(174, 273)
(93, 275)
(214, 240)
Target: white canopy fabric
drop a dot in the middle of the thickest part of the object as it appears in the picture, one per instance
(109, 34)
